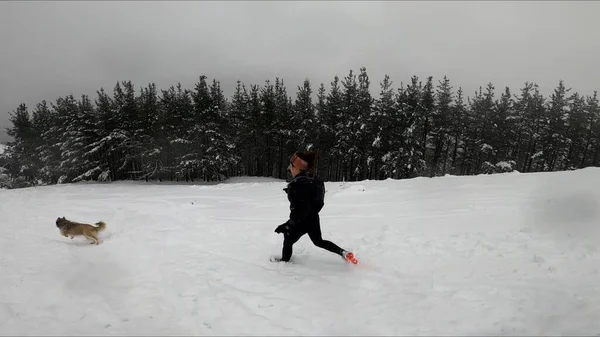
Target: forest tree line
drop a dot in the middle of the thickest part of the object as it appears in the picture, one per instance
(421, 128)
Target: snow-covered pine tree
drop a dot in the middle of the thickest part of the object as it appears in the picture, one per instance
(83, 164)
(285, 127)
(488, 109)
(531, 106)
(348, 130)
(518, 135)
(320, 146)
(382, 124)
(125, 146)
(191, 164)
(331, 120)
(303, 117)
(176, 118)
(257, 147)
(427, 107)
(22, 158)
(241, 135)
(149, 132)
(502, 125)
(5, 179)
(478, 135)
(457, 131)
(440, 127)
(552, 135)
(591, 153)
(363, 142)
(576, 125)
(396, 159)
(71, 138)
(412, 116)
(219, 155)
(266, 124)
(45, 124)
(107, 146)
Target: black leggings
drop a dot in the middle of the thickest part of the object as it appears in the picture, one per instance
(314, 233)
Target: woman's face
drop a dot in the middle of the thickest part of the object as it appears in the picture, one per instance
(293, 170)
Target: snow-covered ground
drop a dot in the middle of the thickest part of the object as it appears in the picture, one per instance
(511, 254)
(2, 148)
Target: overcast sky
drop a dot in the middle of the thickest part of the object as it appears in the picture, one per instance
(50, 49)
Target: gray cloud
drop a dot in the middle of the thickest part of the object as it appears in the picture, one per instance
(52, 49)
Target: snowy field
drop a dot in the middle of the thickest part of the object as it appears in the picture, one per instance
(511, 254)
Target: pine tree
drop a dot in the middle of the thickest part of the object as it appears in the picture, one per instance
(70, 137)
(440, 126)
(458, 126)
(45, 125)
(258, 147)
(576, 125)
(426, 112)
(591, 152)
(126, 146)
(410, 160)
(331, 124)
(197, 137)
(303, 119)
(21, 151)
(177, 111)
(150, 133)
(502, 124)
(106, 147)
(348, 132)
(239, 123)
(220, 154)
(553, 128)
(479, 132)
(519, 134)
(287, 128)
(320, 144)
(416, 126)
(267, 121)
(531, 107)
(382, 125)
(365, 134)
(83, 164)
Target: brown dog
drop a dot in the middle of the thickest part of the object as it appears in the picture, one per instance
(72, 229)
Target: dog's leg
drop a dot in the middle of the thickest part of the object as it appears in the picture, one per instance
(95, 236)
(91, 238)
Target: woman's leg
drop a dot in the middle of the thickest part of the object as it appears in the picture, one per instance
(288, 242)
(315, 236)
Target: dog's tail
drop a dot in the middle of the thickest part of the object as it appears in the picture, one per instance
(101, 226)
